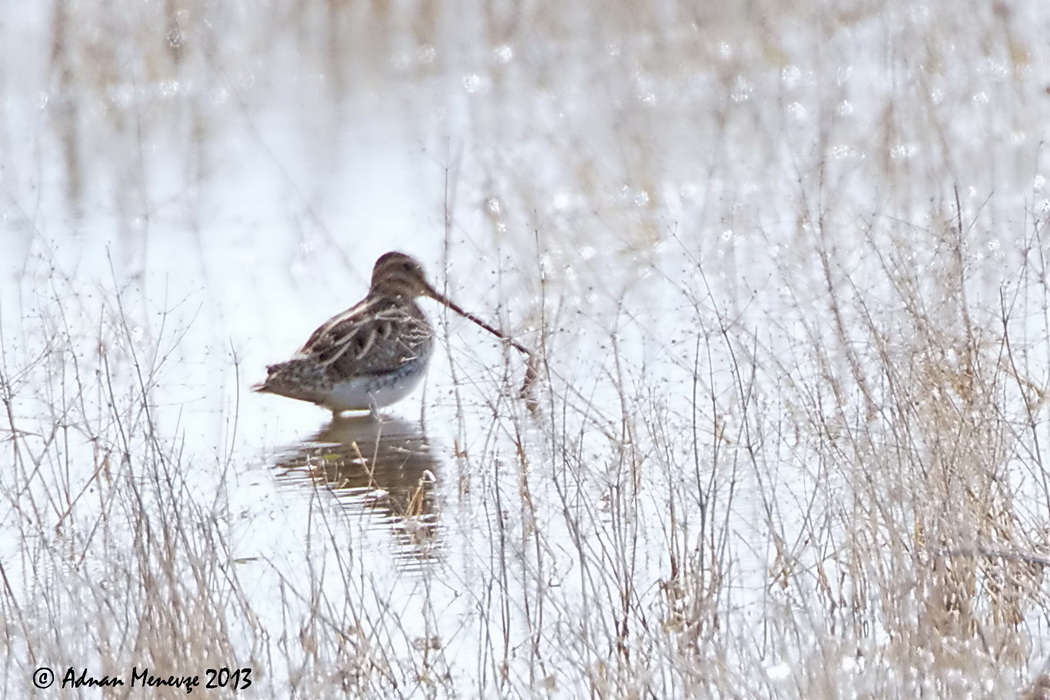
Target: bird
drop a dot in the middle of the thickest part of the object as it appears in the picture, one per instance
(373, 354)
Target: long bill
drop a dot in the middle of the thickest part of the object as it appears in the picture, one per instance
(531, 362)
(437, 296)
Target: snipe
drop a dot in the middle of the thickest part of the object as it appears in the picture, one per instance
(374, 353)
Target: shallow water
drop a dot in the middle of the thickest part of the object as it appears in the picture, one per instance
(681, 208)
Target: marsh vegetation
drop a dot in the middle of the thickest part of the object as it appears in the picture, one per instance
(784, 266)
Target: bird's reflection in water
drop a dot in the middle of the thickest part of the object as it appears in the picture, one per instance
(386, 467)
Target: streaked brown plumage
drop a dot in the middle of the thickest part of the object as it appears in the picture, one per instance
(372, 354)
